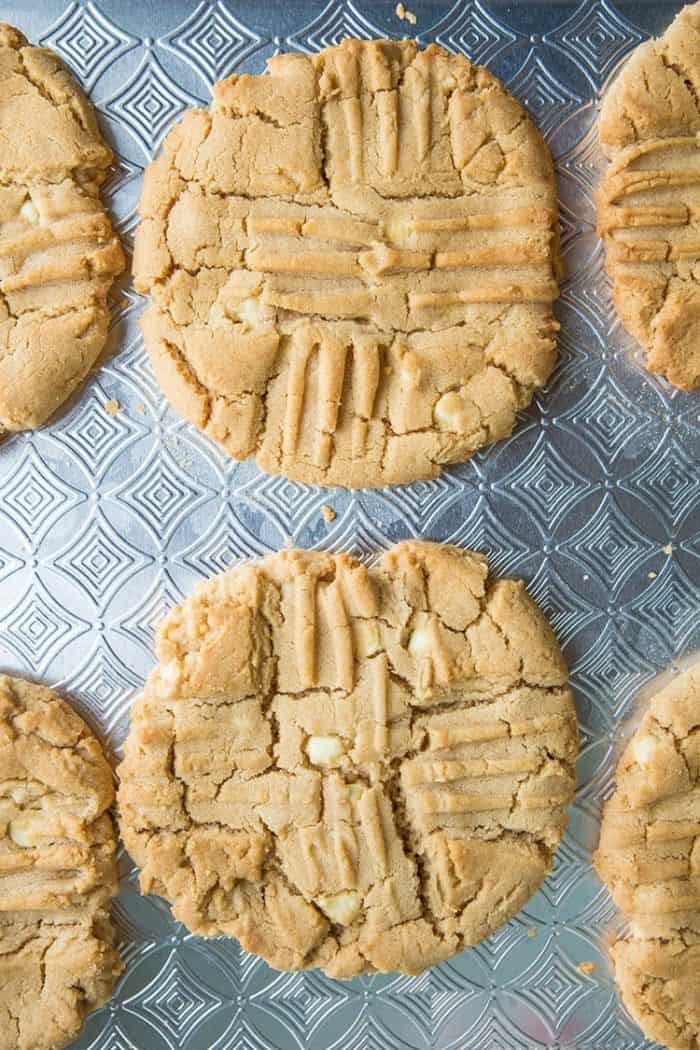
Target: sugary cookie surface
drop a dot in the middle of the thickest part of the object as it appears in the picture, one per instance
(649, 857)
(359, 770)
(57, 870)
(649, 199)
(58, 252)
(351, 263)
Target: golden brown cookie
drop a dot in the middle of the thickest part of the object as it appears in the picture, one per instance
(351, 263)
(58, 252)
(649, 857)
(358, 770)
(649, 199)
(57, 870)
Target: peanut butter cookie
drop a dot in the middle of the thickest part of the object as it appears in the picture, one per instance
(649, 857)
(351, 263)
(57, 870)
(649, 199)
(58, 252)
(358, 770)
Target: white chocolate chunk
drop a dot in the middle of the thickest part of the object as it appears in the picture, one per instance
(341, 907)
(251, 311)
(29, 213)
(451, 413)
(27, 831)
(644, 749)
(325, 750)
(420, 643)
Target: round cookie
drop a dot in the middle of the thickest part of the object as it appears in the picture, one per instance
(358, 770)
(649, 198)
(57, 870)
(58, 252)
(351, 263)
(649, 857)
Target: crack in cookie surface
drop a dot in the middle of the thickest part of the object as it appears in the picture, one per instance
(649, 858)
(351, 263)
(649, 198)
(58, 252)
(57, 870)
(359, 770)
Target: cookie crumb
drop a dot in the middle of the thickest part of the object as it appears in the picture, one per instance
(140, 407)
(405, 15)
(587, 968)
(668, 549)
(532, 932)
(112, 407)
(652, 575)
(327, 513)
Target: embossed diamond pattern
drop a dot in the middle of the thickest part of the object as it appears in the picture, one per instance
(213, 41)
(471, 29)
(149, 103)
(597, 37)
(87, 41)
(107, 519)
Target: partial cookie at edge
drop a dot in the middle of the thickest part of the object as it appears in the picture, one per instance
(649, 198)
(649, 857)
(57, 870)
(58, 252)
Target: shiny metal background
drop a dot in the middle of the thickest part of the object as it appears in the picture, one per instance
(106, 521)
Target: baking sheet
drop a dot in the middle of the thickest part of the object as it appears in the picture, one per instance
(106, 521)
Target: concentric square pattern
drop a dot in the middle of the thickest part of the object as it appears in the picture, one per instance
(106, 520)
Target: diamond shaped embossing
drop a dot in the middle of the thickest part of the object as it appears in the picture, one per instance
(149, 103)
(338, 19)
(548, 100)
(162, 495)
(358, 534)
(289, 504)
(111, 1039)
(567, 612)
(609, 545)
(179, 1002)
(607, 418)
(88, 41)
(498, 1033)
(36, 496)
(546, 483)
(423, 501)
(304, 1001)
(597, 36)
(94, 436)
(609, 672)
(471, 29)
(484, 531)
(99, 561)
(104, 681)
(140, 623)
(213, 41)
(668, 480)
(213, 552)
(584, 160)
(38, 626)
(9, 564)
(669, 607)
(553, 987)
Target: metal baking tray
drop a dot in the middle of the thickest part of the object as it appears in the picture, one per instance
(105, 521)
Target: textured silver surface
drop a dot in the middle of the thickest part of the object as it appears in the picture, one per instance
(105, 522)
